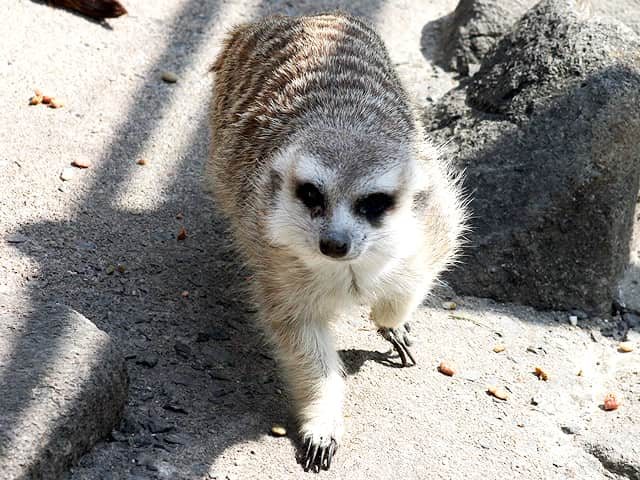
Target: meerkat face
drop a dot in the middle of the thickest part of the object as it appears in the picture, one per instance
(336, 201)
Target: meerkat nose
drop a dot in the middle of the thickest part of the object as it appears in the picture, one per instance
(334, 244)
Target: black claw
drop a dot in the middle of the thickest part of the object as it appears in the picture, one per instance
(332, 451)
(307, 458)
(314, 456)
(317, 458)
(323, 458)
(400, 344)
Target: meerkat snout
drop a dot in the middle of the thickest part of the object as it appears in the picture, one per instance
(335, 244)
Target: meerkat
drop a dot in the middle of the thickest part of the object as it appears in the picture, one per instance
(333, 195)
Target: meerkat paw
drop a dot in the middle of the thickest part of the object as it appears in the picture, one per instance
(320, 441)
(399, 338)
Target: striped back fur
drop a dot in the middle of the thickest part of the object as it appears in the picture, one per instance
(281, 75)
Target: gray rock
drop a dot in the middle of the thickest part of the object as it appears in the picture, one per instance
(473, 28)
(64, 387)
(548, 132)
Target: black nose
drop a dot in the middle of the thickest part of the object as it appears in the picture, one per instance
(334, 245)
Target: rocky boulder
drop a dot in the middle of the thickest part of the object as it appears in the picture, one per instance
(64, 387)
(548, 132)
(475, 26)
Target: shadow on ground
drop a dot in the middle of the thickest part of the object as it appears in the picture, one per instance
(200, 377)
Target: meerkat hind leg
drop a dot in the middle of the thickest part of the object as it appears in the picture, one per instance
(391, 317)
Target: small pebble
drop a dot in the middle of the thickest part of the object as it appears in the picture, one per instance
(449, 305)
(499, 348)
(541, 374)
(278, 431)
(573, 320)
(182, 234)
(169, 77)
(46, 100)
(16, 238)
(446, 369)
(66, 174)
(141, 161)
(81, 163)
(498, 392)
(611, 402)
(184, 294)
(625, 347)
(56, 103)
(35, 100)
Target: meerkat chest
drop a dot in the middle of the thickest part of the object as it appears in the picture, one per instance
(348, 285)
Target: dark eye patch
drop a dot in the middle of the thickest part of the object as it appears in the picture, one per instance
(311, 196)
(373, 206)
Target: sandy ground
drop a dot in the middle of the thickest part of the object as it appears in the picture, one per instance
(204, 391)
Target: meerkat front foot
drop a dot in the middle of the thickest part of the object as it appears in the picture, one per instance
(401, 342)
(320, 440)
(321, 421)
(391, 317)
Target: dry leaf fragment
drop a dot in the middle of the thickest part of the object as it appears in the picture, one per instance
(611, 402)
(499, 348)
(498, 392)
(182, 234)
(446, 369)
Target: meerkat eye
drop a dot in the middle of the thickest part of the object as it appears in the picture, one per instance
(310, 196)
(373, 206)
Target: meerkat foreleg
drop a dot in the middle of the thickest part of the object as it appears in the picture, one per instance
(314, 373)
(391, 316)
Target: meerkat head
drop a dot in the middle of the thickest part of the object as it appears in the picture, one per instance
(343, 198)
